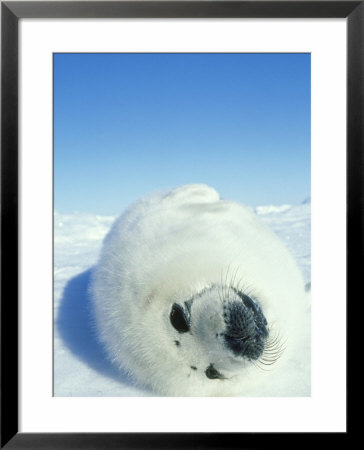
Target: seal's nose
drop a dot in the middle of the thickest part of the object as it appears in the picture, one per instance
(246, 329)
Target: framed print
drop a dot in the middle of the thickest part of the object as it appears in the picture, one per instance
(208, 106)
(189, 106)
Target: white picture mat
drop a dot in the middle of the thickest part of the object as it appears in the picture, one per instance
(325, 410)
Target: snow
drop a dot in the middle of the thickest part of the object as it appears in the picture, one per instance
(263, 210)
(80, 366)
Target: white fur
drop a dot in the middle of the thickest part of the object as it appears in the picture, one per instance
(167, 247)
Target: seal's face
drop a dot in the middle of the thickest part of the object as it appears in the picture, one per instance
(219, 331)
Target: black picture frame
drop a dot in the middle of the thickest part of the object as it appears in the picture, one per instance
(11, 12)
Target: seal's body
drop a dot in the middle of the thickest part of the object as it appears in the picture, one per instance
(194, 296)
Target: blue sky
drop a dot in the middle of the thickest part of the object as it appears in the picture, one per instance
(127, 124)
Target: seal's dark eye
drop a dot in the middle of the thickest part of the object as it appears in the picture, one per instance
(178, 319)
(213, 374)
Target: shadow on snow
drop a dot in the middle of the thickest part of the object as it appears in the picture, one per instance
(75, 327)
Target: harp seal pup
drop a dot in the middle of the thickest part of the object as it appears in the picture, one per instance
(194, 296)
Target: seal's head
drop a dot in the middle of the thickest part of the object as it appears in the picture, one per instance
(219, 332)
